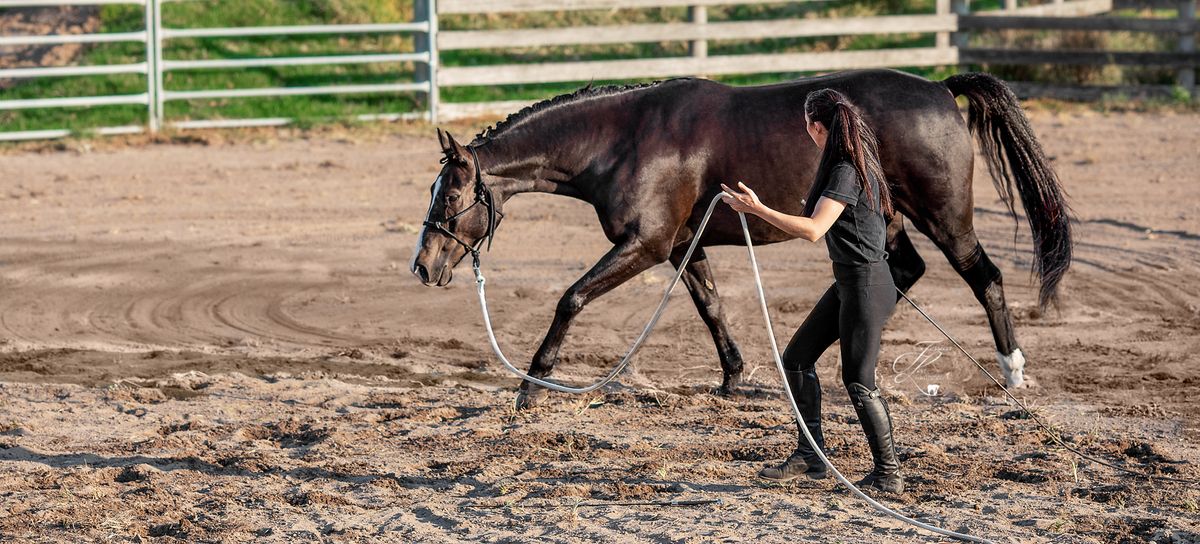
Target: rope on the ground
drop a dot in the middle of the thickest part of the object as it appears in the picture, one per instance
(762, 299)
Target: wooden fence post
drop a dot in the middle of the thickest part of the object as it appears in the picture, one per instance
(960, 39)
(1187, 44)
(943, 38)
(426, 42)
(961, 7)
(698, 15)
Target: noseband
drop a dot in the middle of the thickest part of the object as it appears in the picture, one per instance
(483, 195)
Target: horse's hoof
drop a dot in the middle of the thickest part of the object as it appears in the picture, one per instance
(1027, 382)
(529, 397)
(1013, 368)
(729, 385)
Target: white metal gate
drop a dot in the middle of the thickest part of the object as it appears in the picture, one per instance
(155, 36)
(147, 98)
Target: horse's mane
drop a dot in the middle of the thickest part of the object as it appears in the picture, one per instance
(561, 100)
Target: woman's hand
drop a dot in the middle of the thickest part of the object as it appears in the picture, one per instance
(744, 201)
(808, 228)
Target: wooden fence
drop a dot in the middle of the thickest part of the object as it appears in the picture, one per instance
(952, 22)
(1184, 59)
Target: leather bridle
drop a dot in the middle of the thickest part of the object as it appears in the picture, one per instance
(483, 195)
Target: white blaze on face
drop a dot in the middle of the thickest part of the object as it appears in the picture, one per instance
(437, 187)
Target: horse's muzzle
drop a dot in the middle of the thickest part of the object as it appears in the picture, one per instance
(441, 278)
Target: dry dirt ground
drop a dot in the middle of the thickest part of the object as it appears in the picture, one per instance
(41, 21)
(219, 343)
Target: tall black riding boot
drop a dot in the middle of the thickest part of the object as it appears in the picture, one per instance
(806, 388)
(877, 425)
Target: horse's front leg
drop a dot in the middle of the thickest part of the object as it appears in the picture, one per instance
(625, 260)
(699, 280)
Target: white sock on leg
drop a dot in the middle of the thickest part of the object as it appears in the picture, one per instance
(1013, 366)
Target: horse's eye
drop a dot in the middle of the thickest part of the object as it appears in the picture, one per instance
(452, 198)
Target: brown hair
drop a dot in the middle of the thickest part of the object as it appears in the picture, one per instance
(850, 140)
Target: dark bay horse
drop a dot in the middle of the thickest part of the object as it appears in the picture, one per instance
(650, 157)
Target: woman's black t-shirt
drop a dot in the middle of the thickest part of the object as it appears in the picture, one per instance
(859, 234)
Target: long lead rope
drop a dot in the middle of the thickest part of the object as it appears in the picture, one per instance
(480, 282)
(762, 299)
(662, 305)
(762, 302)
(1054, 434)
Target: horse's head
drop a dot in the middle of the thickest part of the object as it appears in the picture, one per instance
(463, 213)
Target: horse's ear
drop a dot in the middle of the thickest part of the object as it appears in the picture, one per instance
(442, 140)
(455, 149)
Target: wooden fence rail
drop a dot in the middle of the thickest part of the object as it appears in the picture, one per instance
(512, 6)
(995, 22)
(951, 23)
(1081, 58)
(685, 66)
(668, 32)
(1185, 58)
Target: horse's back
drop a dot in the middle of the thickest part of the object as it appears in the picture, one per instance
(908, 112)
(757, 134)
(872, 90)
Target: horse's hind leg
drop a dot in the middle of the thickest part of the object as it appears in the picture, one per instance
(971, 262)
(623, 261)
(698, 277)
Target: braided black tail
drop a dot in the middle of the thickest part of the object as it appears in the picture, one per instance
(1014, 156)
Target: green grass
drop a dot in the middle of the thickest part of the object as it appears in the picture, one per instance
(308, 109)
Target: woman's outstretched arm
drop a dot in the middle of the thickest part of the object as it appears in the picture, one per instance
(808, 228)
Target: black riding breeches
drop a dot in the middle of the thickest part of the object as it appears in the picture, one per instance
(853, 310)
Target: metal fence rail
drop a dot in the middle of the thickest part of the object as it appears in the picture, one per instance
(146, 98)
(162, 66)
(155, 67)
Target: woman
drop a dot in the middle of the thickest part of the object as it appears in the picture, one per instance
(847, 204)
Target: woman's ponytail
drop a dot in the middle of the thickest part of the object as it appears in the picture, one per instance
(850, 139)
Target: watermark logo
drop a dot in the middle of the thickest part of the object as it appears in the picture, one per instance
(911, 368)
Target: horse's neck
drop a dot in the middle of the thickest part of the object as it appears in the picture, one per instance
(548, 153)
